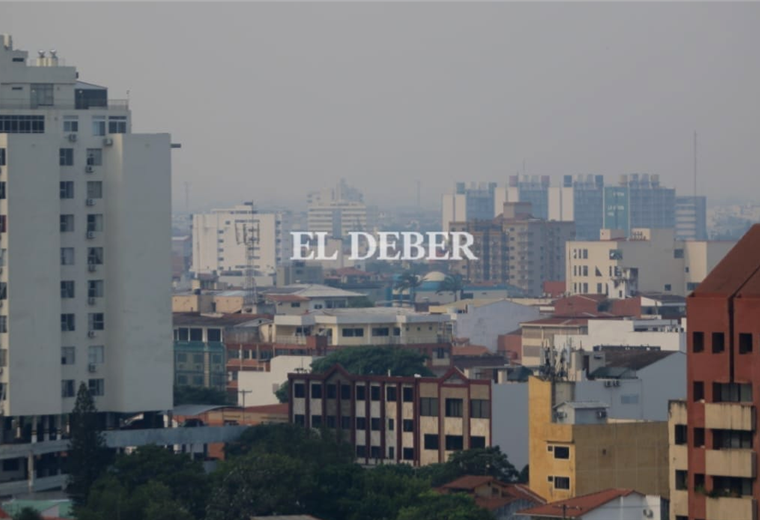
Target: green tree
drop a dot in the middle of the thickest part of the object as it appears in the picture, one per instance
(408, 281)
(375, 360)
(88, 456)
(28, 513)
(444, 507)
(478, 461)
(524, 477)
(200, 395)
(381, 493)
(111, 498)
(453, 284)
(283, 393)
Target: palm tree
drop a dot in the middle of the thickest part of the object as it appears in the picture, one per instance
(452, 283)
(408, 282)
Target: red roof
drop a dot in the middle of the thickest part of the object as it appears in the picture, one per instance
(578, 506)
(469, 350)
(738, 271)
(3, 514)
(468, 482)
(279, 408)
(503, 493)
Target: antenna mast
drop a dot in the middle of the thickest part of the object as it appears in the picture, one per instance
(695, 168)
(247, 234)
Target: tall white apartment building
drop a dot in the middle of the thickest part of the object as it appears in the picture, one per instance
(338, 211)
(219, 241)
(85, 247)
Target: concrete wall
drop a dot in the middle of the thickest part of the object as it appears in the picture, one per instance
(483, 324)
(510, 421)
(262, 384)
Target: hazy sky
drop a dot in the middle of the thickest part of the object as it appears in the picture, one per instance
(271, 100)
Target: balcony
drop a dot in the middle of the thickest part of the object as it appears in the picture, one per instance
(725, 508)
(730, 463)
(730, 416)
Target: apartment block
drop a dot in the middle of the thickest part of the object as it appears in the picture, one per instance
(645, 261)
(515, 248)
(221, 237)
(639, 201)
(412, 420)
(691, 218)
(719, 480)
(576, 449)
(470, 202)
(338, 211)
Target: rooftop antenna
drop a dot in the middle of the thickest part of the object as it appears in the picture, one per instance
(695, 168)
(247, 234)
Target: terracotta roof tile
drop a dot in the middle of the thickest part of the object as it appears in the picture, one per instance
(468, 482)
(578, 506)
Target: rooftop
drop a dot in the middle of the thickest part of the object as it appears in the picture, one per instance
(583, 405)
(209, 320)
(634, 359)
(314, 291)
(578, 506)
(738, 272)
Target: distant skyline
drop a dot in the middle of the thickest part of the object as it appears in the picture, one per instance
(272, 100)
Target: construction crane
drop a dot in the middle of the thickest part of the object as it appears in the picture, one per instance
(247, 234)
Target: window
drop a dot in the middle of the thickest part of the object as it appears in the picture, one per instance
(668, 287)
(699, 390)
(97, 387)
(94, 189)
(95, 354)
(454, 408)
(181, 358)
(299, 419)
(361, 452)
(477, 442)
(68, 355)
(381, 331)
(375, 452)
(332, 391)
(397, 331)
(391, 393)
(745, 343)
(692, 286)
(214, 335)
(67, 189)
(67, 256)
(345, 392)
(678, 253)
(22, 124)
(70, 124)
(732, 439)
(480, 408)
(407, 453)
(95, 222)
(345, 423)
(561, 482)
(391, 452)
(96, 321)
(67, 388)
(699, 480)
(3, 252)
(3, 357)
(2, 190)
(361, 423)
(431, 442)
(561, 452)
(429, 407)
(718, 342)
(391, 425)
(299, 390)
(67, 289)
(732, 393)
(3, 324)
(67, 223)
(361, 392)
(352, 333)
(616, 254)
(440, 353)
(95, 255)
(408, 394)
(98, 125)
(375, 424)
(680, 433)
(2, 156)
(407, 425)
(629, 399)
(94, 157)
(682, 478)
(41, 95)
(316, 390)
(66, 157)
(316, 421)
(733, 486)
(698, 342)
(67, 323)
(374, 393)
(699, 437)
(198, 359)
(3, 223)
(454, 442)
(117, 124)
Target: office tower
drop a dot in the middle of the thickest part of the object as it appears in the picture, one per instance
(473, 202)
(639, 201)
(85, 242)
(219, 243)
(338, 211)
(581, 200)
(691, 218)
(515, 248)
(714, 442)
(534, 190)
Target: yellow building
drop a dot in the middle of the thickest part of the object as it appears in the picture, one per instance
(574, 449)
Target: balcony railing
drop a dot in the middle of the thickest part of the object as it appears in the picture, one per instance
(21, 104)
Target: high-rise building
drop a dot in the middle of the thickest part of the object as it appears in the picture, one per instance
(691, 218)
(714, 442)
(219, 243)
(338, 211)
(639, 201)
(85, 243)
(473, 202)
(515, 248)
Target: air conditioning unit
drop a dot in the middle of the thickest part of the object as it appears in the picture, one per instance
(89, 169)
(607, 384)
(107, 141)
(91, 300)
(73, 138)
(92, 367)
(601, 414)
(648, 513)
(90, 202)
(92, 267)
(560, 415)
(91, 334)
(90, 234)
(616, 383)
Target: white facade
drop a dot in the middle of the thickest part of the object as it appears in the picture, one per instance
(86, 246)
(667, 334)
(219, 244)
(650, 260)
(337, 211)
(259, 387)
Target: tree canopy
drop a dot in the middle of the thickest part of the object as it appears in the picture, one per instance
(200, 395)
(479, 461)
(375, 360)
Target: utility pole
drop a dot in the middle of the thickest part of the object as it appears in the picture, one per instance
(564, 508)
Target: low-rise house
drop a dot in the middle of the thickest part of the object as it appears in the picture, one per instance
(503, 500)
(626, 504)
